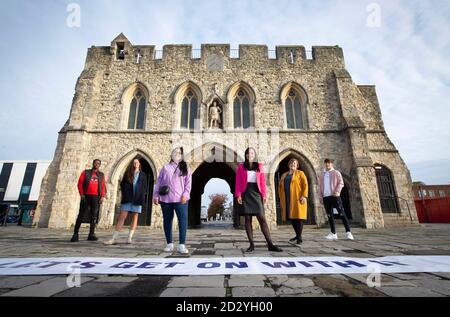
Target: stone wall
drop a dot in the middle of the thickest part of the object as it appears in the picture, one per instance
(341, 120)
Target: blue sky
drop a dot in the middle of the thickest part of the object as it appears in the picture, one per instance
(406, 57)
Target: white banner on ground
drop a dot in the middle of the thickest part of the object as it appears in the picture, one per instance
(222, 266)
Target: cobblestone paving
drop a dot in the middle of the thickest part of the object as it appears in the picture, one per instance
(220, 240)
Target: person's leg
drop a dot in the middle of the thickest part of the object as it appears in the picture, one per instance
(328, 204)
(80, 218)
(182, 215)
(167, 210)
(119, 225)
(133, 225)
(94, 207)
(265, 230)
(300, 230)
(121, 220)
(340, 208)
(78, 222)
(249, 231)
(294, 223)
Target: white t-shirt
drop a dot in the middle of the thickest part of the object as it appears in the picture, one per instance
(327, 184)
(251, 177)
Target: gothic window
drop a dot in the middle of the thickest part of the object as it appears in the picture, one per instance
(293, 106)
(137, 111)
(241, 110)
(189, 110)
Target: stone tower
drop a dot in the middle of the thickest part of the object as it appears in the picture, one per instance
(132, 100)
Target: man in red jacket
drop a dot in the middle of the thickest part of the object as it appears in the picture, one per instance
(91, 186)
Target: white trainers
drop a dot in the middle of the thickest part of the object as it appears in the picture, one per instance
(129, 240)
(169, 248)
(182, 249)
(349, 236)
(331, 236)
(110, 242)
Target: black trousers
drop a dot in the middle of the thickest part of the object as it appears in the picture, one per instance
(88, 209)
(331, 202)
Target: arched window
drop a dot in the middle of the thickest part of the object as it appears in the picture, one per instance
(293, 106)
(189, 110)
(386, 189)
(294, 101)
(137, 111)
(241, 110)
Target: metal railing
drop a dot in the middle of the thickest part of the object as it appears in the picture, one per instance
(403, 199)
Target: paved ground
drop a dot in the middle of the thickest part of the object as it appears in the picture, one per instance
(219, 240)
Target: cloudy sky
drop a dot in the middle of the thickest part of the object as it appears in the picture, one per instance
(405, 52)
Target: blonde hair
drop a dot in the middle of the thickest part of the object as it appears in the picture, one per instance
(292, 160)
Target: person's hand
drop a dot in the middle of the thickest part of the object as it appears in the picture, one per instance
(101, 200)
(156, 201)
(239, 200)
(83, 197)
(302, 200)
(321, 200)
(183, 200)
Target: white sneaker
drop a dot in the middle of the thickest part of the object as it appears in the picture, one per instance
(331, 236)
(169, 248)
(182, 249)
(129, 240)
(349, 236)
(110, 242)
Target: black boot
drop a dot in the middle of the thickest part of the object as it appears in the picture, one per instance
(299, 240)
(293, 239)
(92, 237)
(274, 248)
(251, 248)
(74, 238)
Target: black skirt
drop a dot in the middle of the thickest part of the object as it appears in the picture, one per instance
(252, 200)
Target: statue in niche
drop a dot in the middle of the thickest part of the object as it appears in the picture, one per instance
(215, 115)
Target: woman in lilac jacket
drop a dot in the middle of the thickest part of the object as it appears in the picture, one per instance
(251, 195)
(172, 191)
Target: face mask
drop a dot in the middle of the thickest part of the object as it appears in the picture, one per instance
(176, 160)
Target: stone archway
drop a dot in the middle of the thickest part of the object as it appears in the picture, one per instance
(279, 166)
(116, 175)
(200, 178)
(211, 160)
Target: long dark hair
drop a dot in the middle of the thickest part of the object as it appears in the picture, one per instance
(182, 165)
(255, 163)
(129, 175)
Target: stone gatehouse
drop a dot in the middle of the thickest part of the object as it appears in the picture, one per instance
(132, 100)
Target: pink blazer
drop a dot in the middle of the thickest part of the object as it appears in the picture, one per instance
(241, 181)
(336, 180)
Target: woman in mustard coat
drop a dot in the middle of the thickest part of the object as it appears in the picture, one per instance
(293, 193)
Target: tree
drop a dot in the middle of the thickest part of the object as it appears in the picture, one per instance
(217, 205)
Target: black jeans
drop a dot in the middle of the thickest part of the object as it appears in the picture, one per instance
(91, 207)
(331, 202)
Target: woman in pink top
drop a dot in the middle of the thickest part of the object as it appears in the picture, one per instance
(251, 195)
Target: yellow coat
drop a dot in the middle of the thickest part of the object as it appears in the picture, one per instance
(298, 188)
